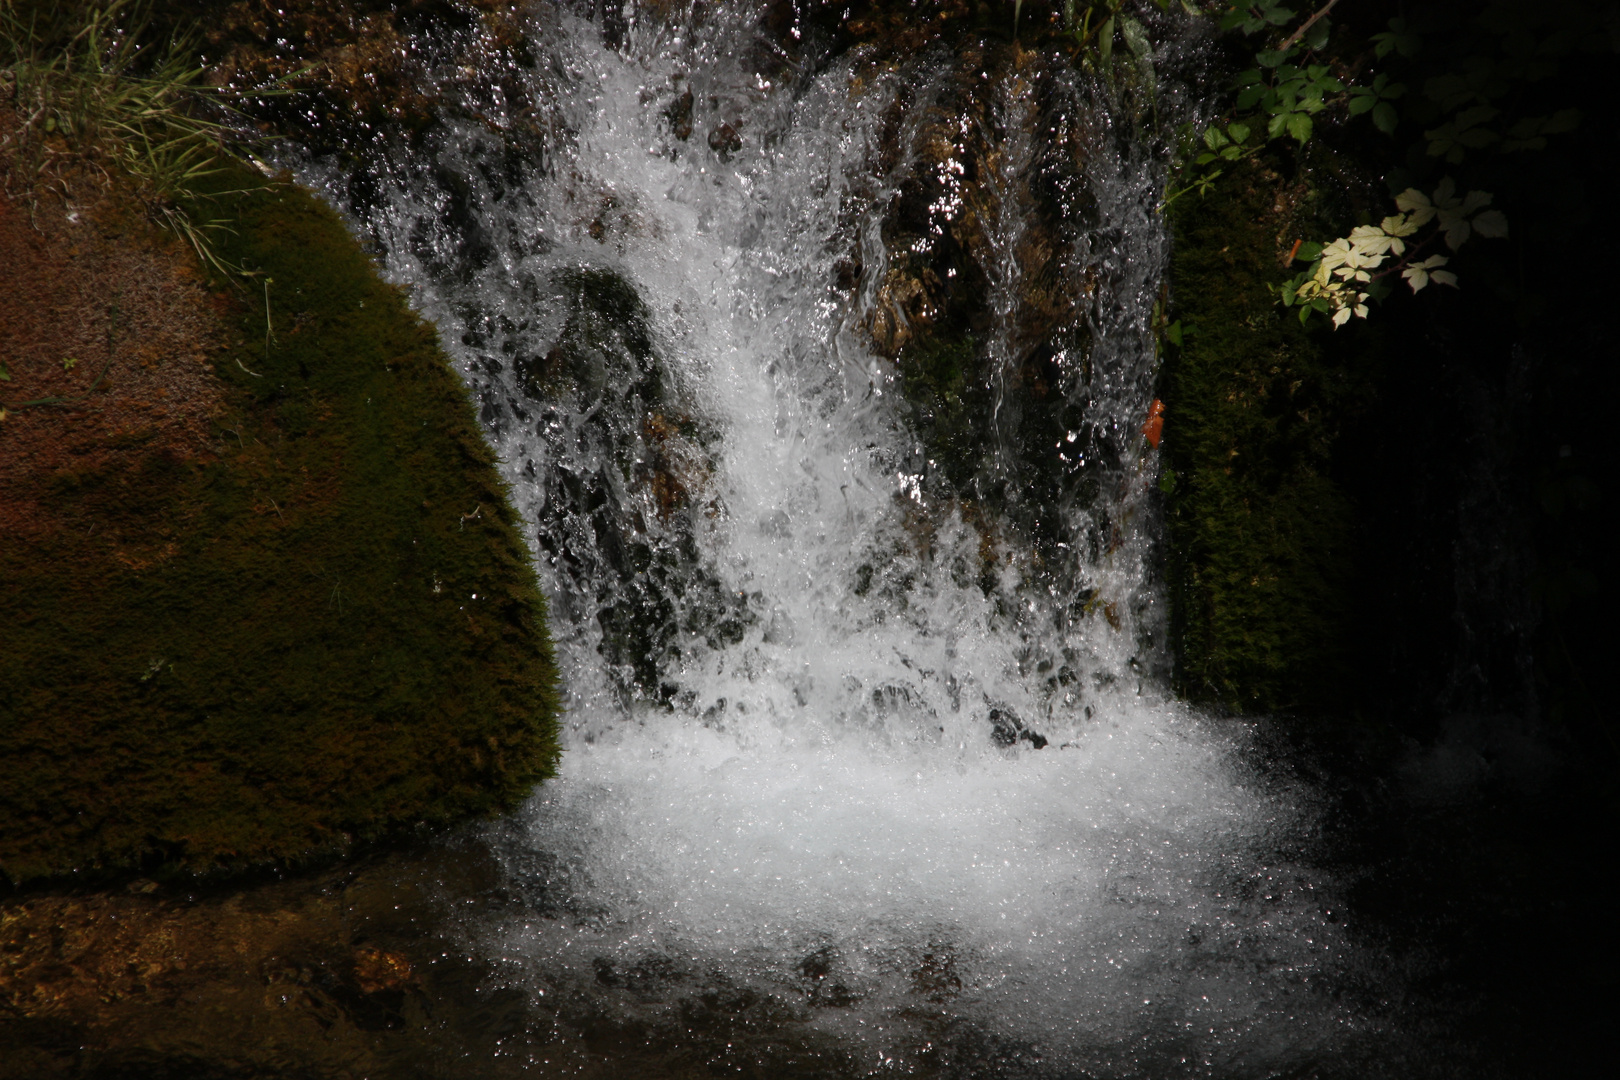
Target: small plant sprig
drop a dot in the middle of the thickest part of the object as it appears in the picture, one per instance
(1345, 274)
(1096, 24)
(1278, 98)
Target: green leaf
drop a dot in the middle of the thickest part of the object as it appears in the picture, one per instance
(1492, 224)
(1384, 117)
(1561, 121)
(1238, 132)
(1172, 333)
(1271, 58)
(1274, 126)
(1299, 126)
(1309, 252)
(1136, 38)
(1536, 143)
(1249, 97)
(1455, 138)
(1477, 115)
(1382, 87)
(1361, 101)
(1214, 138)
(1397, 38)
(1231, 153)
(1451, 91)
(5, 373)
(1317, 36)
(1526, 128)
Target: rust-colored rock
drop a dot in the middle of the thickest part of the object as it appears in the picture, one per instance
(107, 338)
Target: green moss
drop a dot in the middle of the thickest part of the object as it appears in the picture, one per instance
(1261, 531)
(343, 636)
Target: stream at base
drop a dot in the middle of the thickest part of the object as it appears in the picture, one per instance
(871, 765)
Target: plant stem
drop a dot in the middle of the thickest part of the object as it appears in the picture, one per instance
(1291, 39)
(1406, 259)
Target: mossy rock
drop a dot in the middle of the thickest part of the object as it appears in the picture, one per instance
(340, 635)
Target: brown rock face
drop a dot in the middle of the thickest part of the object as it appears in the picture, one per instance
(327, 975)
(982, 291)
(983, 229)
(362, 65)
(106, 346)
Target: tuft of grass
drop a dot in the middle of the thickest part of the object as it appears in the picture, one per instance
(95, 100)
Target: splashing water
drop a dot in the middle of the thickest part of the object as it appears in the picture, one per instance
(847, 768)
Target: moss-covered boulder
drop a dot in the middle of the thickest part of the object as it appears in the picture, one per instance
(310, 621)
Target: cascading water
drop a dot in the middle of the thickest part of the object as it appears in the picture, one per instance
(869, 755)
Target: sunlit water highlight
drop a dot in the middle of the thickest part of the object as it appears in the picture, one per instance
(806, 801)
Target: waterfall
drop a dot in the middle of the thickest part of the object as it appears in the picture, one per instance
(868, 753)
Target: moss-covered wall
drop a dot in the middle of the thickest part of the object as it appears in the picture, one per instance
(1262, 534)
(341, 634)
(1401, 519)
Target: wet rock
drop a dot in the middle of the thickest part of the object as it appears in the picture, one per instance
(724, 141)
(935, 978)
(377, 970)
(335, 973)
(826, 990)
(604, 355)
(630, 486)
(1006, 729)
(361, 66)
(679, 115)
(985, 299)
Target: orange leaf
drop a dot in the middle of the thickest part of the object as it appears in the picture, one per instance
(1154, 428)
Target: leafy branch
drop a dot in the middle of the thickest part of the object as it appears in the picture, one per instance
(1347, 273)
(1277, 98)
(1292, 39)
